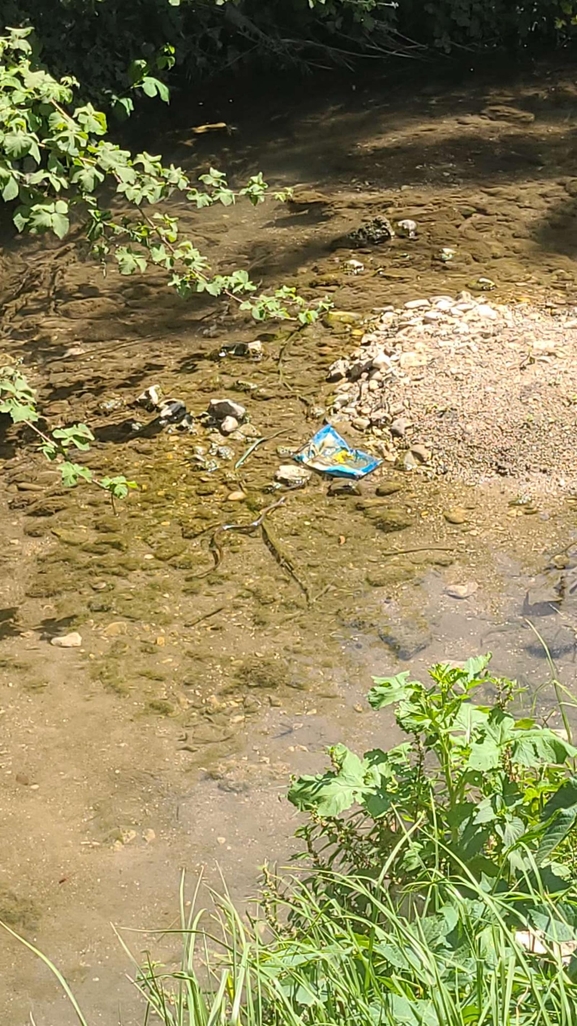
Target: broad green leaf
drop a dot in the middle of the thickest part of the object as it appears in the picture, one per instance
(129, 262)
(72, 473)
(564, 798)
(555, 832)
(512, 830)
(60, 225)
(541, 745)
(87, 178)
(19, 412)
(388, 690)
(476, 666)
(17, 144)
(333, 792)
(10, 190)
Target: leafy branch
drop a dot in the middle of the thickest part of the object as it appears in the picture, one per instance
(18, 400)
(55, 157)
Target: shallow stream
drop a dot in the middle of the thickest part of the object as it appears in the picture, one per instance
(167, 740)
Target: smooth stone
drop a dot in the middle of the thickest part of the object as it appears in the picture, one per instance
(115, 629)
(407, 462)
(73, 640)
(421, 452)
(462, 591)
(400, 426)
(456, 515)
(406, 640)
(484, 310)
(228, 425)
(292, 476)
(412, 359)
(339, 317)
(389, 520)
(417, 304)
(341, 489)
(389, 488)
(235, 497)
(70, 537)
(360, 423)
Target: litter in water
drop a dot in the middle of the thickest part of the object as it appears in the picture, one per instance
(329, 453)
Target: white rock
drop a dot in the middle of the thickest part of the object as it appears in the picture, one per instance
(484, 310)
(381, 361)
(462, 591)
(73, 640)
(417, 304)
(221, 408)
(412, 359)
(432, 315)
(255, 350)
(228, 425)
(338, 370)
(291, 475)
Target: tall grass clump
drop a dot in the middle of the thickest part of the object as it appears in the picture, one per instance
(438, 884)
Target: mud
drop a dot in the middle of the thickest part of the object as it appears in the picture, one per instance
(168, 738)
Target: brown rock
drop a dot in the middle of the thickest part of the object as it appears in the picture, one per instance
(388, 488)
(457, 515)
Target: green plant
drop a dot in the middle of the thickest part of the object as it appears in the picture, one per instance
(471, 786)
(18, 400)
(55, 159)
(461, 963)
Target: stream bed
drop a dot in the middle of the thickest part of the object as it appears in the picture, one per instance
(167, 739)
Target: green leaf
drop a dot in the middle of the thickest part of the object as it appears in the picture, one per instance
(541, 745)
(333, 792)
(60, 225)
(476, 666)
(10, 190)
(87, 178)
(19, 412)
(388, 690)
(564, 798)
(154, 87)
(72, 473)
(129, 262)
(513, 830)
(117, 486)
(555, 832)
(17, 144)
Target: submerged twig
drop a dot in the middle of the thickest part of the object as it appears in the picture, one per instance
(255, 445)
(283, 561)
(207, 616)
(419, 548)
(215, 546)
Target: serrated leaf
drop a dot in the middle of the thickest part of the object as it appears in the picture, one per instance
(17, 144)
(333, 792)
(388, 690)
(541, 745)
(18, 412)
